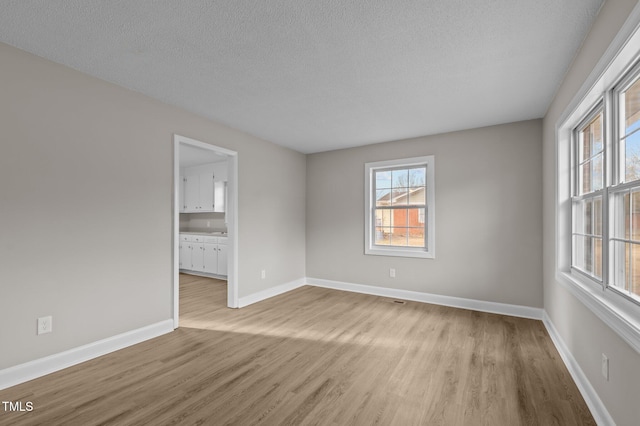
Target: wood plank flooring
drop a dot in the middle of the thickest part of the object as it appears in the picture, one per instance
(315, 356)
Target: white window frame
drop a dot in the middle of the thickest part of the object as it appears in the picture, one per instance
(618, 311)
(370, 248)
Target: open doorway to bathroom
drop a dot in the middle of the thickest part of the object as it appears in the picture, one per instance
(205, 222)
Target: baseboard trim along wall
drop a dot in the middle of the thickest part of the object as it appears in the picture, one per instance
(270, 292)
(40, 367)
(455, 302)
(598, 409)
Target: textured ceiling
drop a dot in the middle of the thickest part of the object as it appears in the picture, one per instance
(316, 75)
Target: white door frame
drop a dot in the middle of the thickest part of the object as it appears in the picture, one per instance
(232, 221)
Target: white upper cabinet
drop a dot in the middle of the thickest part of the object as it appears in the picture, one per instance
(203, 188)
(206, 192)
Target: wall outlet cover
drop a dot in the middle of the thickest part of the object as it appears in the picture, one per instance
(45, 325)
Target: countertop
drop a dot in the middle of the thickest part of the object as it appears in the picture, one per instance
(207, 234)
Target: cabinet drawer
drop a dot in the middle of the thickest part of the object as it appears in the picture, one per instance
(198, 238)
(211, 240)
(185, 237)
(222, 240)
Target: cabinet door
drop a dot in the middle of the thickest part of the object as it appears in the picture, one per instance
(206, 192)
(185, 255)
(210, 264)
(222, 259)
(197, 256)
(192, 193)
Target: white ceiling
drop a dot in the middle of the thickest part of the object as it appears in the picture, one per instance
(316, 75)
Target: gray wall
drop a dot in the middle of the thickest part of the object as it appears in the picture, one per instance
(81, 161)
(488, 216)
(585, 335)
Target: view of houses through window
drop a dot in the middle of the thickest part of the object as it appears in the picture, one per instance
(400, 207)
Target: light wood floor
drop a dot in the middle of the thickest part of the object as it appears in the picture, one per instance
(316, 356)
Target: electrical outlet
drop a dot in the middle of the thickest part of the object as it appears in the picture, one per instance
(605, 367)
(392, 272)
(263, 274)
(45, 325)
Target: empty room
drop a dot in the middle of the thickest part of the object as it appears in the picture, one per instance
(334, 213)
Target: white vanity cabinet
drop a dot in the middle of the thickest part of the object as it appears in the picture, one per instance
(204, 254)
(222, 256)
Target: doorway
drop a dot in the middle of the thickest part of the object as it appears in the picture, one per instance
(231, 217)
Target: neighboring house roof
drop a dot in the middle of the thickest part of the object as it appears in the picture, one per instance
(398, 196)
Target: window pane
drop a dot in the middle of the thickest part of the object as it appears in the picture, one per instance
(634, 273)
(399, 237)
(383, 197)
(621, 251)
(578, 251)
(416, 237)
(383, 218)
(591, 139)
(632, 157)
(585, 177)
(383, 180)
(597, 173)
(633, 215)
(587, 223)
(383, 236)
(597, 257)
(588, 254)
(632, 107)
(400, 197)
(417, 177)
(626, 215)
(595, 129)
(417, 195)
(585, 144)
(400, 218)
(413, 218)
(400, 178)
(597, 216)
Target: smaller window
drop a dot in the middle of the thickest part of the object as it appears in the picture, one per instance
(400, 207)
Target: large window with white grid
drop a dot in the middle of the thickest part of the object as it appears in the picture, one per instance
(605, 199)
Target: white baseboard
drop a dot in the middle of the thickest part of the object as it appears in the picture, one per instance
(456, 302)
(270, 292)
(597, 408)
(37, 368)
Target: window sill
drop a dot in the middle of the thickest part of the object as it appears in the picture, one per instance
(604, 305)
(400, 252)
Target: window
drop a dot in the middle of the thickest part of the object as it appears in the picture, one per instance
(609, 190)
(597, 226)
(400, 207)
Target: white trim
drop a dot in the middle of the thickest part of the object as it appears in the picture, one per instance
(595, 404)
(37, 368)
(270, 292)
(455, 302)
(232, 221)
